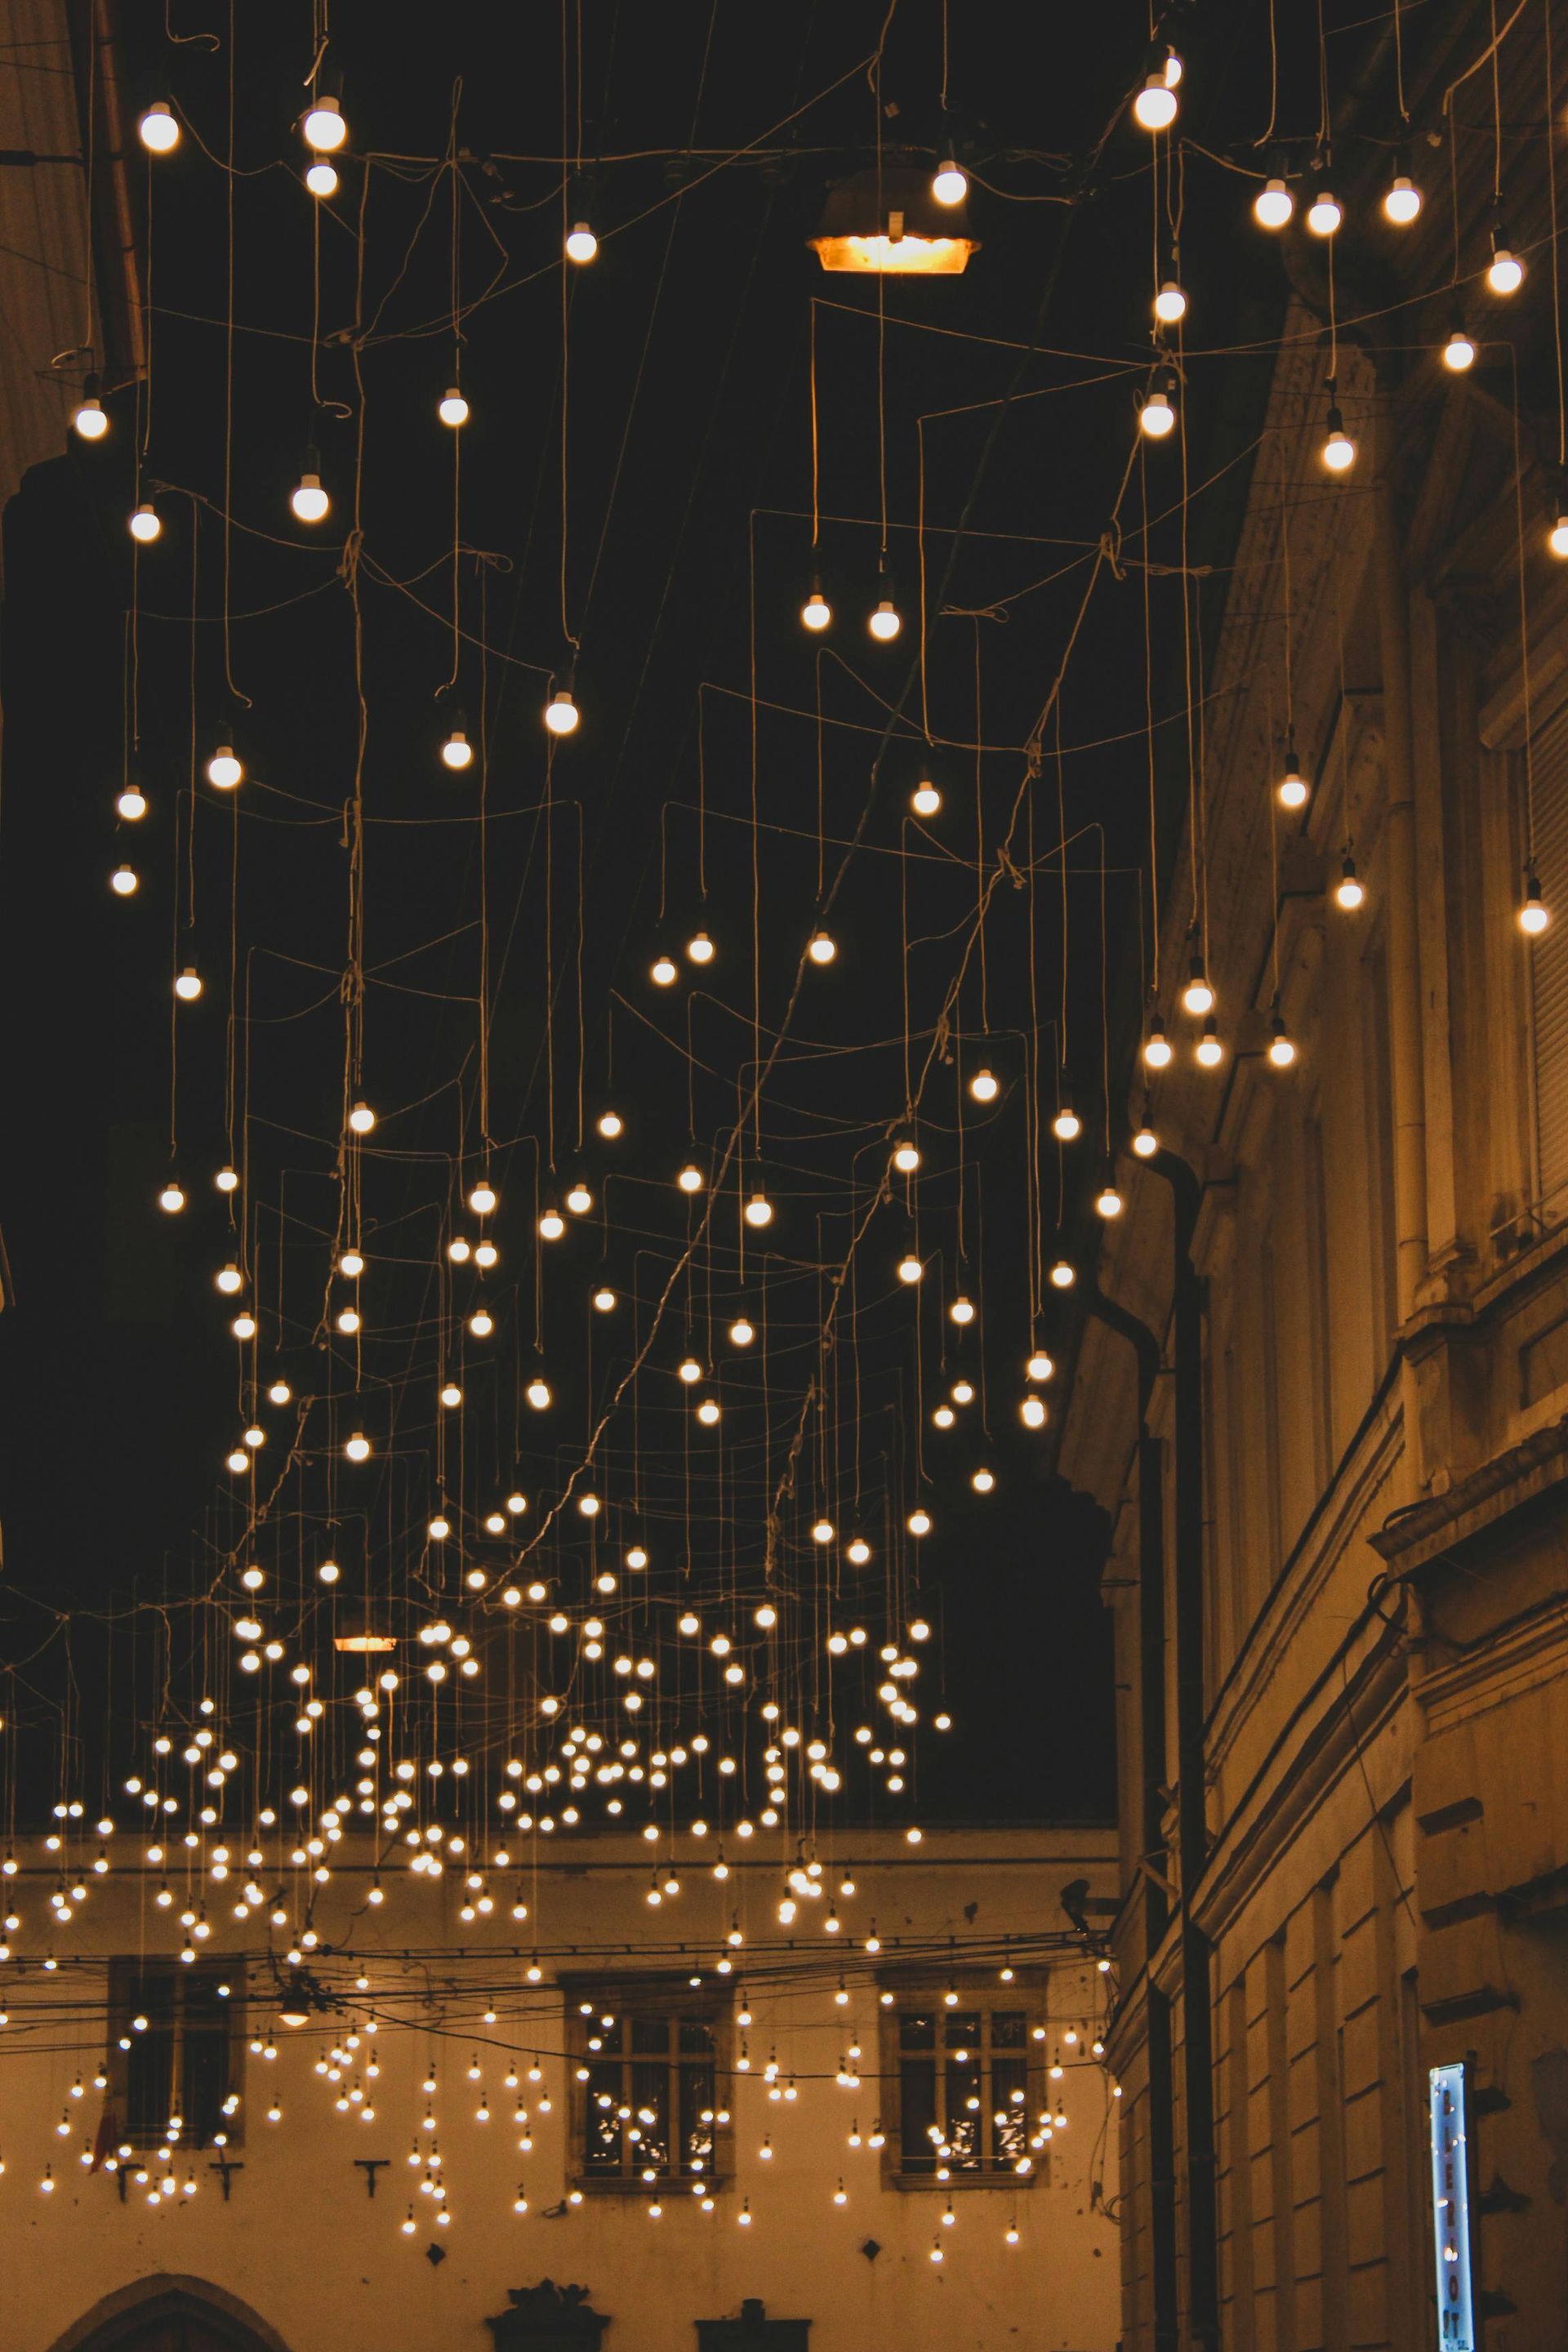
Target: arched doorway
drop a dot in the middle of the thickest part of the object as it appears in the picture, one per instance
(170, 2313)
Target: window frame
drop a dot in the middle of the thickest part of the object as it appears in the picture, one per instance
(913, 1995)
(128, 1976)
(674, 1999)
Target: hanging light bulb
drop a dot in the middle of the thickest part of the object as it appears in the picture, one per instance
(452, 409)
(1505, 271)
(347, 1320)
(362, 1119)
(172, 1199)
(551, 1225)
(538, 1393)
(229, 1278)
(188, 984)
(1170, 303)
(1063, 1276)
(88, 419)
(1038, 1366)
(1534, 915)
(226, 1180)
(911, 1267)
(817, 613)
(350, 1264)
(1145, 1143)
(1197, 997)
(1323, 214)
(1066, 1124)
(1556, 538)
(918, 1523)
(605, 1301)
(950, 183)
(582, 245)
(983, 1481)
(145, 526)
(456, 751)
(280, 1393)
(611, 1125)
(1107, 1201)
(961, 1309)
(482, 1199)
(1402, 198)
(885, 622)
(1459, 351)
(690, 1179)
(579, 1200)
(1032, 1413)
(1210, 1051)
(310, 501)
(822, 947)
(1348, 890)
(357, 1447)
(225, 769)
(759, 1210)
(321, 178)
(481, 1323)
(689, 1370)
(323, 127)
(132, 803)
(124, 881)
(742, 1332)
(700, 948)
(925, 800)
(906, 1157)
(1292, 783)
(664, 972)
(1273, 204)
(984, 1086)
(561, 713)
(1156, 1044)
(1154, 107)
(157, 129)
(243, 1327)
(1157, 411)
(1338, 452)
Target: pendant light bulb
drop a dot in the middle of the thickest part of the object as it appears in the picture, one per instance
(452, 409)
(1066, 1125)
(700, 948)
(885, 622)
(1323, 214)
(906, 1157)
(1157, 414)
(1557, 537)
(1401, 201)
(822, 947)
(950, 183)
(817, 613)
(88, 419)
(1281, 1048)
(1154, 107)
(1273, 204)
(157, 129)
(1197, 997)
(1063, 1276)
(1292, 783)
(1338, 451)
(582, 245)
(145, 526)
(1156, 1046)
(188, 984)
(1108, 1202)
(225, 769)
(1459, 351)
(926, 799)
(323, 127)
(1145, 1143)
(985, 1086)
(124, 881)
(1505, 271)
(131, 804)
(322, 179)
(1534, 915)
(1348, 891)
(561, 713)
(362, 1119)
(456, 751)
(664, 972)
(1170, 304)
(310, 500)
(1210, 1051)
(172, 1199)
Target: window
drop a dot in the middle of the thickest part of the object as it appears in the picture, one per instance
(172, 2061)
(963, 2077)
(646, 2073)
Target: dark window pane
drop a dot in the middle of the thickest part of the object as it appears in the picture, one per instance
(917, 2031)
(696, 2035)
(917, 2115)
(964, 2028)
(1009, 2030)
(650, 2035)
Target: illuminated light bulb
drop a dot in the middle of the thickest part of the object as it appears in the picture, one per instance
(452, 409)
(963, 1392)
(358, 1447)
(551, 1225)
(1154, 107)
(328, 1571)
(1294, 787)
(1505, 271)
(708, 1412)
(925, 800)
(1556, 540)
(1534, 915)
(822, 947)
(157, 129)
(910, 1268)
(1145, 1143)
(440, 1528)
(590, 1507)
(944, 1416)
(480, 1323)
(482, 1199)
(817, 613)
(238, 1460)
(1338, 452)
(605, 1300)
(1170, 303)
(243, 1327)
(456, 751)
(131, 804)
(229, 1278)
(538, 1394)
(985, 1086)
(1010, 2234)
(561, 713)
(1108, 1202)
(1281, 1050)
(1209, 1050)
(759, 1210)
(1348, 891)
(457, 1250)
(690, 1179)
(859, 1552)
(663, 971)
(742, 1332)
(822, 1531)
(1401, 201)
(1038, 1366)
(323, 126)
(144, 524)
(885, 622)
(1157, 411)
(362, 1119)
(225, 769)
(1459, 351)
(322, 179)
(1066, 1124)
(1032, 1413)
(171, 1200)
(582, 245)
(1197, 997)
(918, 1523)
(188, 984)
(1273, 204)
(950, 183)
(347, 1320)
(906, 1157)
(88, 419)
(1157, 1046)
(280, 1393)
(310, 500)
(689, 1370)
(1063, 1276)
(961, 1309)
(1323, 214)
(700, 948)
(350, 1264)
(611, 1125)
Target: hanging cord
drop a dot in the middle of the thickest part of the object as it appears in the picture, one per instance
(1556, 285)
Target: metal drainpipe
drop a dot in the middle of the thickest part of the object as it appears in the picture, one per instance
(1152, 1845)
(1408, 1081)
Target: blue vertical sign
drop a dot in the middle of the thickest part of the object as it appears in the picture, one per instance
(1451, 2209)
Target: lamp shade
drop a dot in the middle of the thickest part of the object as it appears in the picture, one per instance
(888, 221)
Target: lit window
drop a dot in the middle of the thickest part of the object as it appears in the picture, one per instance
(650, 2108)
(964, 2089)
(183, 2060)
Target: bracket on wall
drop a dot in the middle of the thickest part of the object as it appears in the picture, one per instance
(370, 2166)
(223, 2166)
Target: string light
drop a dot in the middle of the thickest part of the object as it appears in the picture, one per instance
(1209, 1051)
(1281, 1051)
(885, 622)
(1107, 1201)
(188, 984)
(1039, 1366)
(1348, 890)
(926, 799)
(225, 769)
(157, 129)
(88, 419)
(906, 1157)
(611, 1125)
(456, 751)
(759, 1210)
(362, 1119)
(1156, 1044)
(452, 409)
(172, 1199)
(1292, 783)
(144, 525)
(1145, 1143)
(582, 245)
(1505, 271)
(817, 613)
(1323, 214)
(1032, 1413)
(1197, 997)
(949, 184)
(1273, 204)
(226, 1180)
(1338, 452)
(1154, 107)
(984, 1086)
(310, 500)
(822, 947)
(322, 179)
(700, 948)
(1534, 915)
(124, 881)
(1556, 538)
(1170, 303)
(1157, 411)
(1459, 351)
(324, 128)
(1401, 199)
(561, 713)
(664, 972)
(1066, 1125)
(131, 804)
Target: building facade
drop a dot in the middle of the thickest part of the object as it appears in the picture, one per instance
(899, 2131)
(1323, 1388)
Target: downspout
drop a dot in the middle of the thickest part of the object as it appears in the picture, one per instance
(1162, 2137)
